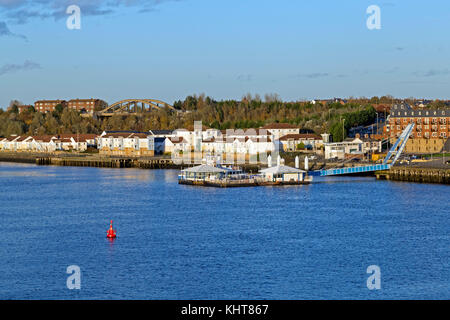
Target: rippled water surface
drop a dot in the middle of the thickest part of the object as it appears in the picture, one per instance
(184, 242)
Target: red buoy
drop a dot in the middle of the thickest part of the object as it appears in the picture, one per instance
(111, 233)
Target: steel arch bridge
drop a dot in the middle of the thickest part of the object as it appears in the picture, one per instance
(134, 106)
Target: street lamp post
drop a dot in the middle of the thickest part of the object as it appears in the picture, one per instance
(343, 129)
(377, 123)
(443, 147)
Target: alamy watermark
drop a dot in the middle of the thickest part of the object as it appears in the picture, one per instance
(374, 20)
(73, 22)
(374, 280)
(74, 280)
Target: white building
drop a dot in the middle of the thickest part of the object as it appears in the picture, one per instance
(176, 145)
(291, 142)
(279, 130)
(126, 143)
(352, 147)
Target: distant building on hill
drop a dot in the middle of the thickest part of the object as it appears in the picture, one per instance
(46, 106)
(86, 105)
(80, 105)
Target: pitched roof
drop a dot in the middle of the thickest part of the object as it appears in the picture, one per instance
(281, 170)
(258, 139)
(177, 140)
(300, 136)
(247, 132)
(50, 101)
(83, 100)
(80, 136)
(161, 132)
(13, 137)
(139, 135)
(22, 138)
(43, 138)
(117, 135)
(280, 126)
(204, 168)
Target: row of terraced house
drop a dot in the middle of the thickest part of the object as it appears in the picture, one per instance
(430, 135)
(277, 136)
(48, 143)
(270, 138)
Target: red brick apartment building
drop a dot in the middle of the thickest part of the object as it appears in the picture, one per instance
(430, 133)
(85, 105)
(81, 105)
(45, 106)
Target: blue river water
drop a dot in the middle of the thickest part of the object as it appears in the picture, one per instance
(184, 242)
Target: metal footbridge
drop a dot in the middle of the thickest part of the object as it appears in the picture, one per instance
(390, 159)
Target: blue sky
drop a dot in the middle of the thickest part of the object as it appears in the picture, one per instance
(169, 49)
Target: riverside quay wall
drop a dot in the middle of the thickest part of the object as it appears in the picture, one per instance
(414, 174)
(108, 162)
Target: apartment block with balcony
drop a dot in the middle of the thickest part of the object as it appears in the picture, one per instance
(431, 130)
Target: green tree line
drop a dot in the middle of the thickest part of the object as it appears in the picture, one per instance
(249, 112)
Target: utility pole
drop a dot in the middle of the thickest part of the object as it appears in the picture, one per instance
(377, 123)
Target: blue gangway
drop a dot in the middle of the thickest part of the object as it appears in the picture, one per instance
(334, 172)
(394, 153)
